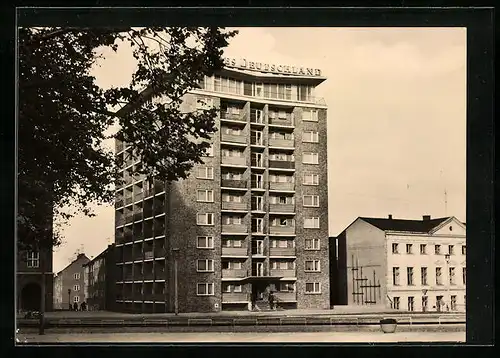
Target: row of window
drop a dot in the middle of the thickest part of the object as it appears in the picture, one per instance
(410, 281)
(207, 265)
(307, 179)
(207, 242)
(207, 196)
(207, 219)
(307, 157)
(308, 136)
(423, 249)
(207, 289)
(425, 303)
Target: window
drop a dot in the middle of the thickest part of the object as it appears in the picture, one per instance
(205, 196)
(76, 276)
(395, 249)
(395, 276)
(226, 288)
(452, 275)
(76, 299)
(409, 248)
(231, 220)
(410, 304)
(205, 265)
(76, 288)
(312, 266)
(463, 249)
(395, 303)
(439, 278)
(205, 242)
(451, 250)
(210, 151)
(312, 244)
(424, 303)
(313, 287)
(423, 276)
(310, 137)
(287, 287)
(310, 115)
(33, 259)
(464, 275)
(237, 243)
(453, 302)
(437, 249)
(205, 289)
(283, 265)
(237, 288)
(311, 223)
(205, 173)
(311, 200)
(205, 219)
(423, 249)
(311, 179)
(310, 158)
(409, 276)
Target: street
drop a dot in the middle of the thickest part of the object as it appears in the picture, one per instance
(250, 337)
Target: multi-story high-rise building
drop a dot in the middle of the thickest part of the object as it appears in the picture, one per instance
(409, 265)
(252, 219)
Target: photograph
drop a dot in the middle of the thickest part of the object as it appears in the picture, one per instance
(241, 184)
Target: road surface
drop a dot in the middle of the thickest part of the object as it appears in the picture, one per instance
(248, 337)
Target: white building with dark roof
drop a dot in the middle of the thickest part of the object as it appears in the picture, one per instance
(409, 265)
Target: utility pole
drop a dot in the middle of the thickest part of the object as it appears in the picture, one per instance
(176, 288)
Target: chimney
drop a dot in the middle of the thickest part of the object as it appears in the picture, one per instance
(426, 217)
(390, 216)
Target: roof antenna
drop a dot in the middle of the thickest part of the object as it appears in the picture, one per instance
(445, 197)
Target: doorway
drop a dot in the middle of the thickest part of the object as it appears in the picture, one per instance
(30, 297)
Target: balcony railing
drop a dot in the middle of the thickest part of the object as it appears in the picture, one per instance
(119, 221)
(286, 296)
(138, 196)
(235, 251)
(282, 229)
(129, 218)
(138, 216)
(281, 164)
(149, 254)
(234, 228)
(129, 200)
(260, 273)
(282, 121)
(257, 163)
(258, 184)
(229, 297)
(233, 138)
(228, 205)
(281, 186)
(234, 273)
(282, 251)
(234, 160)
(282, 273)
(240, 117)
(119, 203)
(231, 183)
(286, 143)
(281, 208)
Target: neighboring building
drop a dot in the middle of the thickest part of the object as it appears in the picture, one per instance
(414, 265)
(69, 284)
(252, 218)
(100, 280)
(29, 280)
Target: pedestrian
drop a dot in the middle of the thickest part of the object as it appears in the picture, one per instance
(83, 306)
(75, 306)
(271, 300)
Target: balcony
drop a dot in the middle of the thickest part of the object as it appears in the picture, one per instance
(234, 273)
(242, 161)
(281, 208)
(235, 228)
(234, 297)
(138, 196)
(119, 203)
(288, 122)
(233, 138)
(119, 221)
(234, 251)
(282, 251)
(230, 183)
(281, 164)
(228, 205)
(285, 143)
(119, 146)
(148, 255)
(282, 273)
(237, 117)
(282, 230)
(282, 186)
(129, 218)
(158, 297)
(286, 296)
(138, 216)
(129, 200)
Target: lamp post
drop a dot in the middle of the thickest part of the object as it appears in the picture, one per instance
(176, 290)
(447, 259)
(69, 298)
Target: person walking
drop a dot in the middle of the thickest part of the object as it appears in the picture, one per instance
(83, 306)
(75, 306)
(271, 300)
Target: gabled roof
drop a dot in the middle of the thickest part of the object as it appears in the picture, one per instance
(403, 225)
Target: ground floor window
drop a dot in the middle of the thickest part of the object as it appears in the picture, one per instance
(395, 303)
(205, 289)
(313, 287)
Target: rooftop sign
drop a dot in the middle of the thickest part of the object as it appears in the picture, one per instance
(245, 64)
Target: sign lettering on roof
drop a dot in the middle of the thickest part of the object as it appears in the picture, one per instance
(245, 64)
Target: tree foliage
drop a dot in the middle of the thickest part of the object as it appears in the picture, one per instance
(64, 114)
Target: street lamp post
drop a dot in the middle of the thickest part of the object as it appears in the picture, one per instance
(447, 259)
(176, 290)
(69, 298)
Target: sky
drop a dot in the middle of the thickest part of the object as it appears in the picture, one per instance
(396, 121)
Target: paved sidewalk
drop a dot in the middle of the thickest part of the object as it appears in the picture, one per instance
(215, 337)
